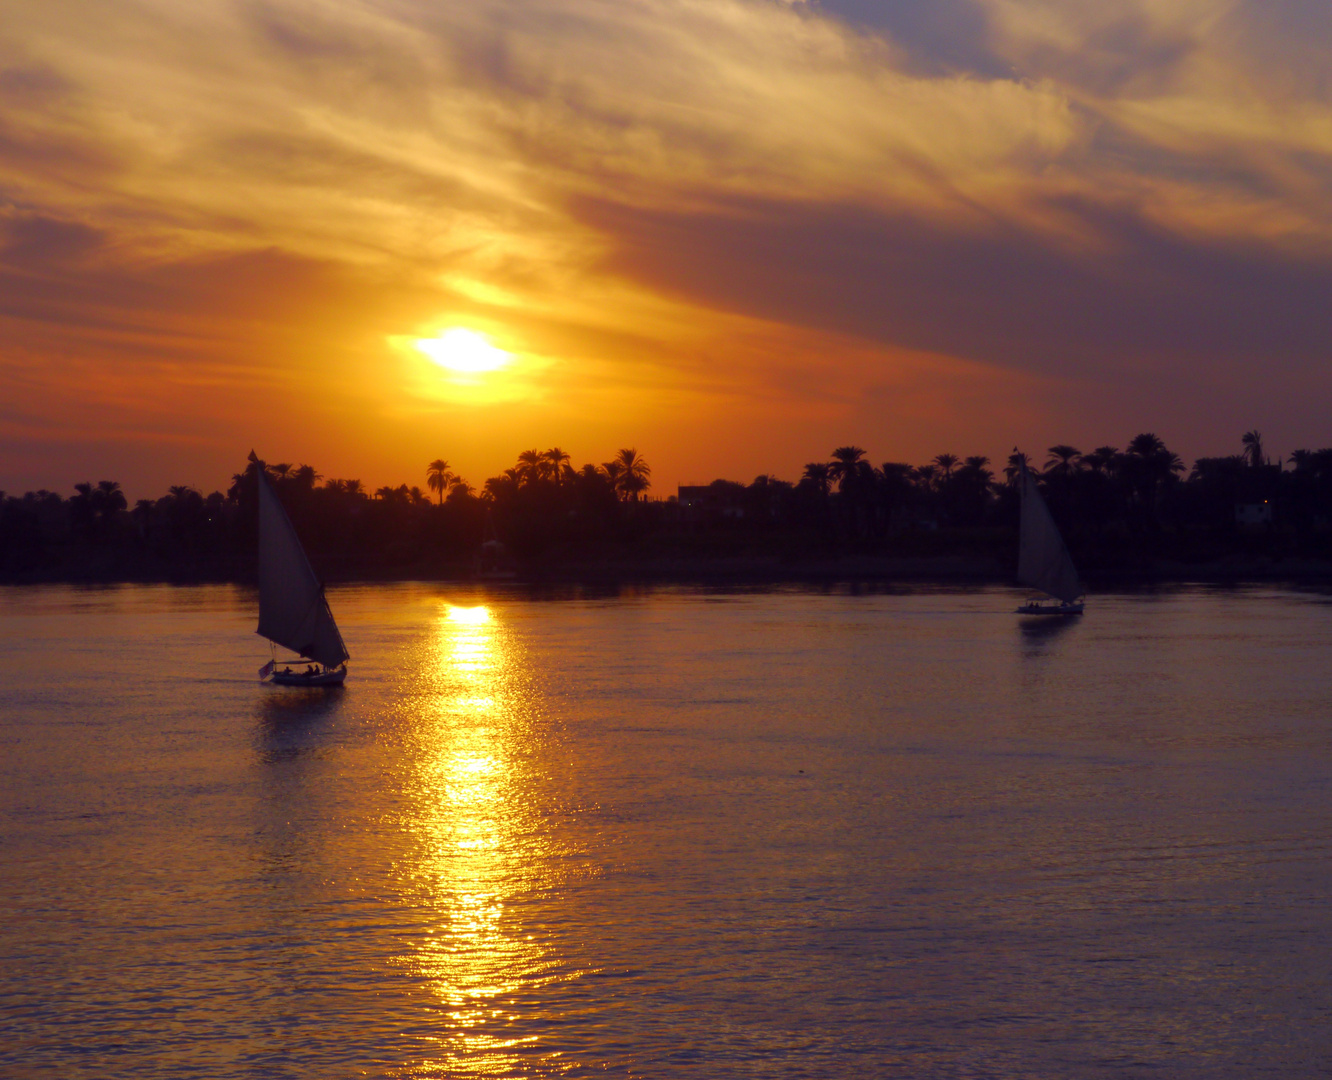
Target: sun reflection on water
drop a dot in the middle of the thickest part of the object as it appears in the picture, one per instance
(472, 615)
(478, 837)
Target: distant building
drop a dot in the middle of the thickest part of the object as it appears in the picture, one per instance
(709, 502)
(1254, 514)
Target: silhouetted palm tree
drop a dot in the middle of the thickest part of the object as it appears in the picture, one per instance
(438, 477)
(94, 508)
(819, 474)
(855, 486)
(82, 511)
(557, 460)
(971, 489)
(845, 466)
(1016, 460)
(532, 466)
(502, 486)
(1101, 459)
(634, 473)
(111, 494)
(109, 500)
(946, 463)
(1253, 448)
(306, 477)
(1301, 459)
(1063, 460)
(1145, 445)
(895, 490)
(896, 474)
(1148, 465)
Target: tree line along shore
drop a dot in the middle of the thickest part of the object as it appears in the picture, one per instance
(1130, 514)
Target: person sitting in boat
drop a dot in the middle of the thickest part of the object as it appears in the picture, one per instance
(286, 670)
(310, 672)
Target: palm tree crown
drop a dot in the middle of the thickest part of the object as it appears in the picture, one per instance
(819, 473)
(1145, 445)
(1253, 448)
(112, 498)
(1063, 460)
(1017, 460)
(438, 477)
(1101, 459)
(532, 465)
(945, 463)
(634, 473)
(845, 465)
(557, 459)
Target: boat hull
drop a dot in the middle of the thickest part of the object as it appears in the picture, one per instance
(323, 678)
(1035, 608)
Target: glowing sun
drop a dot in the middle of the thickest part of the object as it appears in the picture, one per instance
(463, 350)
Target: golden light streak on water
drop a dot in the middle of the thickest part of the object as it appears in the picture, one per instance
(471, 615)
(475, 825)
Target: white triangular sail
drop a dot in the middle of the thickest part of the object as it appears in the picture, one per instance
(292, 609)
(1043, 560)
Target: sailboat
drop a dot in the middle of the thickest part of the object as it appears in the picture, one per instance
(293, 611)
(1043, 560)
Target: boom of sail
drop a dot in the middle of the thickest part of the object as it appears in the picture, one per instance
(1043, 560)
(292, 609)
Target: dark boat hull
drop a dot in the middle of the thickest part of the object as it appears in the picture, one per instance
(324, 678)
(1035, 608)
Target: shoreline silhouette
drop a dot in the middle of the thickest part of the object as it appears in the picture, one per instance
(1130, 516)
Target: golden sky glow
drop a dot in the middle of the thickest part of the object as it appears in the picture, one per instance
(731, 233)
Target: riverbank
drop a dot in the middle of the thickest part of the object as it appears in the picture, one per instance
(721, 571)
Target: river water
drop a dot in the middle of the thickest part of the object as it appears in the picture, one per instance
(668, 833)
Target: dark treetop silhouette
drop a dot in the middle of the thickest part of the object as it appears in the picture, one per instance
(1135, 511)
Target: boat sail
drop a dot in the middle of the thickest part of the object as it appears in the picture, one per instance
(1043, 560)
(293, 611)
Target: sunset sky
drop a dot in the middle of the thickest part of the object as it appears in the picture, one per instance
(731, 233)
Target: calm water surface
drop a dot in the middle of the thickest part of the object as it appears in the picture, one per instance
(671, 833)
